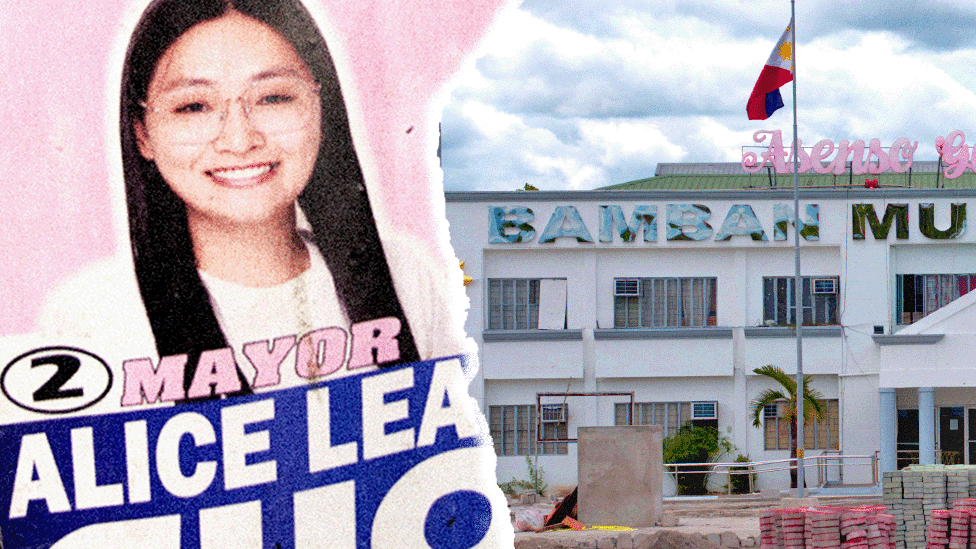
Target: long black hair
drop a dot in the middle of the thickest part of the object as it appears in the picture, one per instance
(334, 201)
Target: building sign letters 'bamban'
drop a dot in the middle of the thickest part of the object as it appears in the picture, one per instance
(689, 222)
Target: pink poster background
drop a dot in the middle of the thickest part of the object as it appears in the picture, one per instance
(57, 66)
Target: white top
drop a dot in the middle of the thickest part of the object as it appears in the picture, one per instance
(101, 309)
(298, 306)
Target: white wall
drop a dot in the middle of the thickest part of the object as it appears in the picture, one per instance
(845, 364)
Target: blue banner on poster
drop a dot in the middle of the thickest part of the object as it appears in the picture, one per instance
(359, 461)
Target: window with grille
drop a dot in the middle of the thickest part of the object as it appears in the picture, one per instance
(817, 435)
(669, 415)
(918, 295)
(664, 302)
(513, 303)
(513, 431)
(527, 303)
(820, 295)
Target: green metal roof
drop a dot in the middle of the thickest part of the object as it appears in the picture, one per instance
(764, 180)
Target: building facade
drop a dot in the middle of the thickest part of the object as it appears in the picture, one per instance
(670, 299)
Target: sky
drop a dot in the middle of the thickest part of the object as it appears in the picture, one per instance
(580, 94)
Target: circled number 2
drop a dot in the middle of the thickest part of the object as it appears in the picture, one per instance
(52, 389)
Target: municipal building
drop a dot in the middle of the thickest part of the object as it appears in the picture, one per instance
(652, 302)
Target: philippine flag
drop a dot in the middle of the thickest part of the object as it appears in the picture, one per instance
(765, 98)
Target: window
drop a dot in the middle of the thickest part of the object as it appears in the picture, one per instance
(670, 415)
(513, 304)
(526, 303)
(819, 300)
(817, 435)
(513, 431)
(663, 302)
(919, 295)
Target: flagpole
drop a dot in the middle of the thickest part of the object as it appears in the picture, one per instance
(797, 280)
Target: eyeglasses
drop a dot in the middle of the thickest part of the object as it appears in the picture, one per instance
(195, 114)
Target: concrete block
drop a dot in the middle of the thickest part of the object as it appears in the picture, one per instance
(529, 497)
(528, 543)
(669, 520)
(625, 540)
(643, 540)
(714, 538)
(729, 539)
(606, 542)
(793, 503)
(620, 475)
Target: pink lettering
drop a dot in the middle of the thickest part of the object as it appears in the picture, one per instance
(904, 149)
(267, 361)
(819, 159)
(374, 342)
(805, 161)
(956, 155)
(216, 373)
(819, 154)
(847, 149)
(775, 154)
(321, 352)
(880, 155)
(163, 384)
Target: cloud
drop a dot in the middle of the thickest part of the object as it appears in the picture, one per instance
(935, 25)
(581, 94)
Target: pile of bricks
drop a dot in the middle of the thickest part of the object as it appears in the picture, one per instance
(865, 527)
(914, 493)
(953, 529)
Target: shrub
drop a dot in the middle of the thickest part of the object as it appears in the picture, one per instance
(536, 481)
(692, 444)
(740, 482)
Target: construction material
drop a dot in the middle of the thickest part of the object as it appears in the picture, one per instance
(866, 527)
(914, 493)
(620, 475)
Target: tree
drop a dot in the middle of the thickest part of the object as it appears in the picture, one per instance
(813, 406)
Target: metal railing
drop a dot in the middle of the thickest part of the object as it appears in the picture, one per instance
(822, 464)
(945, 457)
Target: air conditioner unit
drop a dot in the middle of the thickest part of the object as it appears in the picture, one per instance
(554, 413)
(625, 287)
(704, 410)
(824, 285)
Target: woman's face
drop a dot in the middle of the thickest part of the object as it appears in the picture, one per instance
(232, 122)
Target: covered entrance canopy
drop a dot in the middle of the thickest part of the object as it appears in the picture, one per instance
(927, 385)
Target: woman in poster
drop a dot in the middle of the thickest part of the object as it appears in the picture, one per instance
(249, 223)
(231, 115)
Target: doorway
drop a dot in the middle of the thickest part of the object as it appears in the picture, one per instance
(952, 434)
(971, 435)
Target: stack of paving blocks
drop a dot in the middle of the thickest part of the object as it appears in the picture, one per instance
(914, 493)
(827, 528)
(955, 528)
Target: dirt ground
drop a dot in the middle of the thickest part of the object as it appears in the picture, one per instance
(641, 539)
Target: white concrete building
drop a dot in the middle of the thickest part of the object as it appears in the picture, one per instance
(676, 296)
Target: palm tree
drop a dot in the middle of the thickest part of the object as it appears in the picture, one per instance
(813, 406)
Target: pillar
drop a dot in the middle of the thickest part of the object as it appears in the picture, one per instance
(887, 423)
(926, 425)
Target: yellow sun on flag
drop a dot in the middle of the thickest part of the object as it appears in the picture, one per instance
(785, 51)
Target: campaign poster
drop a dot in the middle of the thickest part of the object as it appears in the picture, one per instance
(231, 317)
